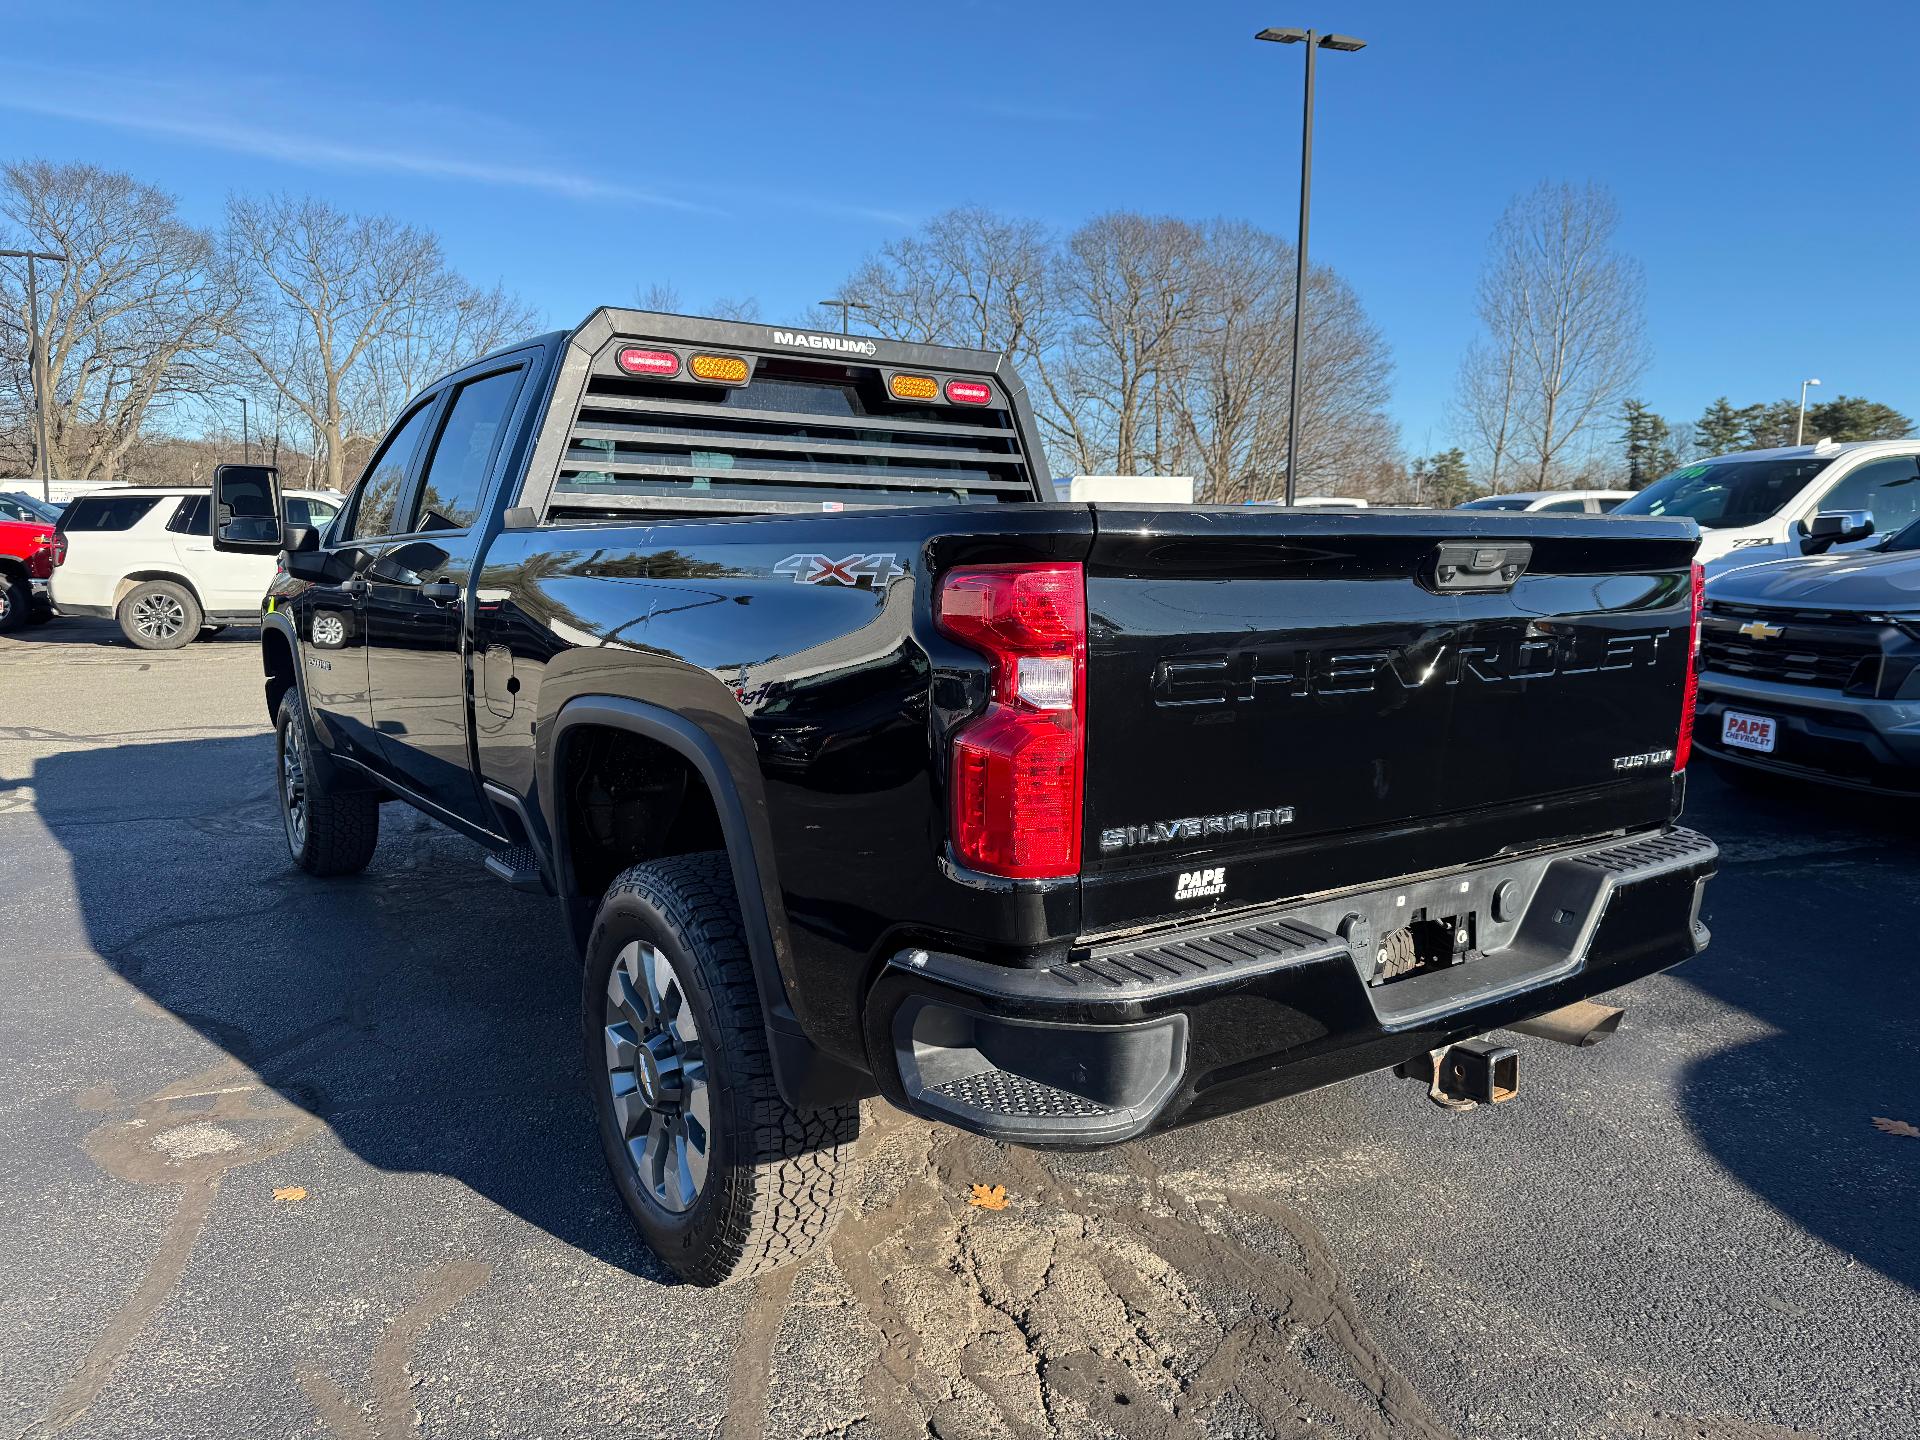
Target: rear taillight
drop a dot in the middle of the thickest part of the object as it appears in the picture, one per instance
(1683, 748)
(1017, 769)
(59, 549)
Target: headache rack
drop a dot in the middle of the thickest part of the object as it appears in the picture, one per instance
(669, 416)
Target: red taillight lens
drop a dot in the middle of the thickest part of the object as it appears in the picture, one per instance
(1683, 748)
(969, 392)
(1018, 768)
(636, 361)
(59, 549)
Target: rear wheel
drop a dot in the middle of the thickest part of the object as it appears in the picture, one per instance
(159, 615)
(16, 603)
(330, 830)
(724, 1178)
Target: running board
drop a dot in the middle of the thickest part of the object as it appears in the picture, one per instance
(519, 867)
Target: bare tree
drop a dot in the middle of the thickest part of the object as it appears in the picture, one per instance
(1232, 378)
(132, 320)
(446, 324)
(1565, 334)
(659, 296)
(1130, 289)
(1151, 345)
(322, 291)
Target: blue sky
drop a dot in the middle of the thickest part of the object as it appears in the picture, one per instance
(1766, 156)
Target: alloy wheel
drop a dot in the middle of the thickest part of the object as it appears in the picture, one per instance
(159, 616)
(657, 1071)
(293, 785)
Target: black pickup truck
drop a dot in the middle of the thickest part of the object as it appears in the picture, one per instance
(857, 765)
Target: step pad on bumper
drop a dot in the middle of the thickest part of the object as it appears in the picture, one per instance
(1000, 1092)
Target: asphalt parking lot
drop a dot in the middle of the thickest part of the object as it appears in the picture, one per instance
(286, 1157)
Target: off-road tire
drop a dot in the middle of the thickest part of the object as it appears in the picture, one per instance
(777, 1178)
(159, 615)
(16, 603)
(341, 826)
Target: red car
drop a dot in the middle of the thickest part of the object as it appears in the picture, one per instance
(26, 562)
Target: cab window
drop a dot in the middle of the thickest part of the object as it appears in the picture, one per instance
(1889, 488)
(378, 497)
(455, 480)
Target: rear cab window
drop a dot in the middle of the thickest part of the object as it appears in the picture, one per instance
(455, 480)
(106, 512)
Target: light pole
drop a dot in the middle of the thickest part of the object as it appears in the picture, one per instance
(845, 307)
(1314, 42)
(246, 436)
(1800, 425)
(37, 366)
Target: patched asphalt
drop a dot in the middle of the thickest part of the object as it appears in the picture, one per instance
(314, 1158)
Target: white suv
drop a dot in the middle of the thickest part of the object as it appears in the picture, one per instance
(145, 557)
(1760, 505)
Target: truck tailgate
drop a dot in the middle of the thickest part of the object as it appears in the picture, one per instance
(1303, 701)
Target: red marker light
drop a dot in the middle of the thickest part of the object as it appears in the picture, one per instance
(663, 363)
(969, 392)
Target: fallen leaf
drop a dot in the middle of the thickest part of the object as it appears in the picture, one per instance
(290, 1192)
(989, 1197)
(1880, 1122)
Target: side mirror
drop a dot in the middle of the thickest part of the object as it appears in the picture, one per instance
(1835, 527)
(246, 509)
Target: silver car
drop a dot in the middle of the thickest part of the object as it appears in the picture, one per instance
(1811, 667)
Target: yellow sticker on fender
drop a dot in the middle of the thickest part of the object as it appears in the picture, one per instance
(270, 604)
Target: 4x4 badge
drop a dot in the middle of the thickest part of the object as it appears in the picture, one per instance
(876, 570)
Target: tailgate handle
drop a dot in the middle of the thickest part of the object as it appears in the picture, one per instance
(1478, 567)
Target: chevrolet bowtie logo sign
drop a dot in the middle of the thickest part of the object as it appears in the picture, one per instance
(1760, 630)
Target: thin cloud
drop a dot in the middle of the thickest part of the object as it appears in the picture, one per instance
(329, 154)
(171, 113)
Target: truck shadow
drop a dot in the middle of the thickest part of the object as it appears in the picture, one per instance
(423, 1011)
(1813, 935)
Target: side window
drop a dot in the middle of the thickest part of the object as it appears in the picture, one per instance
(192, 517)
(1889, 488)
(14, 510)
(314, 514)
(107, 512)
(456, 477)
(1607, 504)
(379, 493)
(1564, 507)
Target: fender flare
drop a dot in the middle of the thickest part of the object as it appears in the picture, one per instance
(807, 1077)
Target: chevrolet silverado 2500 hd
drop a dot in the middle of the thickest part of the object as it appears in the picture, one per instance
(857, 768)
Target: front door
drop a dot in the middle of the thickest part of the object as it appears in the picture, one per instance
(416, 602)
(330, 614)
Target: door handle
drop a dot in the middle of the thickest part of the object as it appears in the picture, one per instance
(440, 591)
